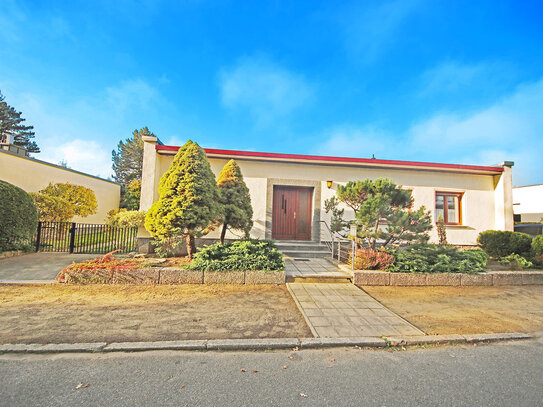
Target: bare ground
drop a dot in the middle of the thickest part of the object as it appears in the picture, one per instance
(466, 310)
(54, 313)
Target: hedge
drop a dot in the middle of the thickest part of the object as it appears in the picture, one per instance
(18, 218)
(537, 245)
(500, 243)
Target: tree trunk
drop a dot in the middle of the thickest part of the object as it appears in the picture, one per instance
(223, 232)
(191, 247)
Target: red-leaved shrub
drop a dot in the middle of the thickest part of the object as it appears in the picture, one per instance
(367, 259)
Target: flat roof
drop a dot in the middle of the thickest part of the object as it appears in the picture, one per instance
(349, 161)
(59, 167)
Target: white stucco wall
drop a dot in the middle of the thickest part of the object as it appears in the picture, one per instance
(33, 175)
(486, 202)
(528, 202)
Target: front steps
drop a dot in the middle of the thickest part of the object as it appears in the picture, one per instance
(304, 249)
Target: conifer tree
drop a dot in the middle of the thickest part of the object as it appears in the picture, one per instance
(128, 159)
(188, 199)
(11, 123)
(235, 200)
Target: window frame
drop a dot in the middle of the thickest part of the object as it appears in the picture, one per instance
(446, 194)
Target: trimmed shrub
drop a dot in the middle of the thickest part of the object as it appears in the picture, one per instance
(516, 262)
(367, 259)
(240, 255)
(537, 245)
(429, 258)
(18, 218)
(500, 243)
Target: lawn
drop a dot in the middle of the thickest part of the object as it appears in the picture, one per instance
(110, 313)
(466, 310)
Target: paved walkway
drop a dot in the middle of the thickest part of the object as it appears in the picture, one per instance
(312, 268)
(37, 266)
(344, 310)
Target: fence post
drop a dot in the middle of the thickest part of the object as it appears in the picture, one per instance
(38, 237)
(72, 237)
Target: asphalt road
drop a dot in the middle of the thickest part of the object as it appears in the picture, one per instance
(509, 374)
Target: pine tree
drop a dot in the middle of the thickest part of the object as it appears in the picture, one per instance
(128, 159)
(188, 199)
(11, 123)
(235, 200)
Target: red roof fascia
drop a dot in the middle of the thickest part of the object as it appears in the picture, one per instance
(353, 160)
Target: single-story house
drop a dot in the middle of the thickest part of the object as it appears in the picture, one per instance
(288, 190)
(32, 175)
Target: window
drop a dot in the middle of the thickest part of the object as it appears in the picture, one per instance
(448, 205)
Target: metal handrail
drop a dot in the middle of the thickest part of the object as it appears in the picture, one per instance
(335, 242)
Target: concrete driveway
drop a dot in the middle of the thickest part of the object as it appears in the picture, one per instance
(37, 266)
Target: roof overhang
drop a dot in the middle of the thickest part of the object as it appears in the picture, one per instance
(343, 161)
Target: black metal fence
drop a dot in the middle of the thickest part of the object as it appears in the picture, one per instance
(72, 237)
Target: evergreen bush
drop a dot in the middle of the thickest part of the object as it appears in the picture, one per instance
(537, 245)
(18, 218)
(430, 258)
(501, 243)
(241, 255)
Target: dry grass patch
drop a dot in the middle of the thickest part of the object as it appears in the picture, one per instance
(57, 313)
(466, 310)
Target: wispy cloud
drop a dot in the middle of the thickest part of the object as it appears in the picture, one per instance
(453, 77)
(83, 155)
(509, 129)
(135, 93)
(369, 29)
(265, 89)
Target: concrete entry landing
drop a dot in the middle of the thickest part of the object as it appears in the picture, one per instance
(344, 310)
(314, 270)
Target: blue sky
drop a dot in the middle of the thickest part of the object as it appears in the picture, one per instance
(442, 81)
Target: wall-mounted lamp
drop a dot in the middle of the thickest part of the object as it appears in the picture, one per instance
(329, 184)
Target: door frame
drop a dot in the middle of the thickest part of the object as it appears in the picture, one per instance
(275, 211)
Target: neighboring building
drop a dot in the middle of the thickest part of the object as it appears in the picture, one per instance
(528, 203)
(288, 191)
(32, 175)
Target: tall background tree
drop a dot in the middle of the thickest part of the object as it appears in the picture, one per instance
(11, 123)
(128, 159)
(235, 200)
(188, 199)
(127, 167)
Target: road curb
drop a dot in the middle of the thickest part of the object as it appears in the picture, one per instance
(260, 344)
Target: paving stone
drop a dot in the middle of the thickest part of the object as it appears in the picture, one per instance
(506, 279)
(346, 331)
(476, 279)
(443, 279)
(224, 277)
(136, 276)
(180, 276)
(159, 345)
(242, 344)
(362, 278)
(326, 331)
(407, 279)
(265, 277)
(529, 278)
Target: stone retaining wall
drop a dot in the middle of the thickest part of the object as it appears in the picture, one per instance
(173, 276)
(491, 278)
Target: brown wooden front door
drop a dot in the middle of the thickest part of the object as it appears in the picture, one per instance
(291, 216)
